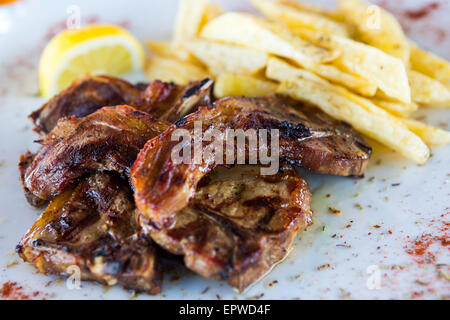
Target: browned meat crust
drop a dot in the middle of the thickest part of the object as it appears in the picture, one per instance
(192, 96)
(94, 227)
(238, 224)
(107, 140)
(90, 93)
(25, 161)
(309, 139)
(85, 96)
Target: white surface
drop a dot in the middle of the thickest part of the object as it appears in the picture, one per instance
(423, 193)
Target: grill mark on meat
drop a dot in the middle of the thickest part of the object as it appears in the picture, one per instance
(237, 225)
(85, 96)
(198, 238)
(107, 140)
(228, 225)
(259, 202)
(264, 202)
(94, 227)
(70, 228)
(243, 250)
(298, 130)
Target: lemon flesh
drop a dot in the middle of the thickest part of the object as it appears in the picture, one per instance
(93, 49)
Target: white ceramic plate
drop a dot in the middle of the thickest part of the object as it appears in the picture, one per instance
(340, 256)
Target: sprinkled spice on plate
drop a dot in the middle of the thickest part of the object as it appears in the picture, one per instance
(13, 291)
(425, 247)
(334, 210)
(423, 11)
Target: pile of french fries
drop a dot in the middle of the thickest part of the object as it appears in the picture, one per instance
(355, 63)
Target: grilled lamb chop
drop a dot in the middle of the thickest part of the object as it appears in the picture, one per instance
(107, 140)
(90, 93)
(86, 95)
(93, 226)
(308, 138)
(238, 224)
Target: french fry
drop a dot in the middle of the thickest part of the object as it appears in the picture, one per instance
(161, 48)
(432, 136)
(212, 11)
(280, 70)
(223, 57)
(173, 70)
(165, 49)
(259, 34)
(347, 79)
(228, 84)
(296, 18)
(333, 15)
(430, 65)
(376, 27)
(302, 6)
(427, 91)
(361, 113)
(399, 109)
(188, 21)
(386, 72)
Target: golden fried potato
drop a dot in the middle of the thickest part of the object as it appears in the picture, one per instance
(347, 79)
(173, 70)
(427, 91)
(432, 136)
(361, 113)
(302, 6)
(188, 21)
(396, 108)
(259, 34)
(228, 84)
(161, 48)
(165, 49)
(280, 70)
(430, 64)
(386, 72)
(223, 57)
(376, 27)
(212, 11)
(296, 18)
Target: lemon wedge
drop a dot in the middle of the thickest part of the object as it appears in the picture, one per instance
(93, 49)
